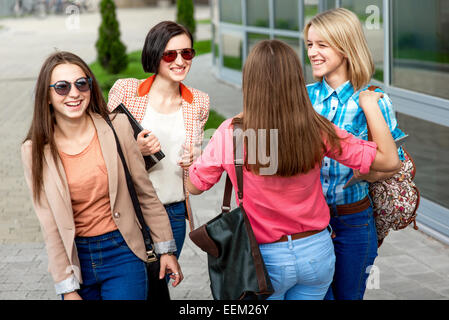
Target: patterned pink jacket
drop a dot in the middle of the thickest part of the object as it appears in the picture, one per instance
(133, 93)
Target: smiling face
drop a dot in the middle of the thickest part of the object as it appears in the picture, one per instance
(326, 61)
(178, 69)
(74, 104)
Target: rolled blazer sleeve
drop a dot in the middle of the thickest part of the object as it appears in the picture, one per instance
(58, 262)
(153, 211)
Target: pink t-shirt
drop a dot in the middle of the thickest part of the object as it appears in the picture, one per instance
(278, 206)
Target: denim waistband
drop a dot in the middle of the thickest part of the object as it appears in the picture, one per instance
(102, 237)
(316, 237)
(175, 204)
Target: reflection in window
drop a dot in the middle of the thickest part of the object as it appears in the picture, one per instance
(370, 15)
(232, 50)
(286, 14)
(258, 13)
(428, 144)
(421, 46)
(231, 11)
(253, 38)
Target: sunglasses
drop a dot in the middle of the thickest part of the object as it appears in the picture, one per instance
(171, 55)
(63, 87)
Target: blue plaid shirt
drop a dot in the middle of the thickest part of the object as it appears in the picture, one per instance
(341, 107)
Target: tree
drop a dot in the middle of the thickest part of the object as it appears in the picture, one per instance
(111, 52)
(185, 15)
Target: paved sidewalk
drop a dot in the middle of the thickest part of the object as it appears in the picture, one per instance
(411, 265)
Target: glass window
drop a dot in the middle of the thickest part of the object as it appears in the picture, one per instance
(253, 38)
(286, 14)
(421, 46)
(232, 50)
(258, 13)
(428, 144)
(231, 11)
(292, 42)
(310, 10)
(370, 15)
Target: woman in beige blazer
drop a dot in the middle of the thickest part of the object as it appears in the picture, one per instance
(93, 238)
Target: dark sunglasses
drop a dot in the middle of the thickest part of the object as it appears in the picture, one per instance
(63, 87)
(171, 55)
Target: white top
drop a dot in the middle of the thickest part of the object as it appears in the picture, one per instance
(166, 175)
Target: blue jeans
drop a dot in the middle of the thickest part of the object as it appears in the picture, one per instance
(177, 214)
(300, 269)
(355, 250)
(110, 270)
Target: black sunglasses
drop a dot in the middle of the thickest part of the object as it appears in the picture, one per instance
(63, 87)
(171, 55)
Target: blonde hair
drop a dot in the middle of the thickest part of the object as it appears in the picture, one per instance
(275, 97)
(342, 30)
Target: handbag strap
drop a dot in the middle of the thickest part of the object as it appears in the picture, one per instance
(135, 200)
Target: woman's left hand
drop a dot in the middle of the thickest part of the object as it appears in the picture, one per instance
(170, 266)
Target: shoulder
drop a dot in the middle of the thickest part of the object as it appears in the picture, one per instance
(119, 119)
(314, 90)
(313, 87)
(384, 102)
(200, 98)
(127, 85)
(26, 147)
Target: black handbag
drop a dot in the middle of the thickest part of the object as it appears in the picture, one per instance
(157, 288)
(236, 267)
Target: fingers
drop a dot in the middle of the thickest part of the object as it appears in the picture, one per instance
(148, 145)
(177, 277)
(170, 266)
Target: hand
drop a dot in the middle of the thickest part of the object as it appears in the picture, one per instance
(368, 97)
(373, 176)
(187, 157)
(169, 265)
(149, 145)
(72, 296)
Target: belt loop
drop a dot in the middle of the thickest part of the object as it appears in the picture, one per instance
(290, 242)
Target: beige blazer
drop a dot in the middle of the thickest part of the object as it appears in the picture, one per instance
(55, 212)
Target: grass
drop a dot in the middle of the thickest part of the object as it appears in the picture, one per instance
(134, 70)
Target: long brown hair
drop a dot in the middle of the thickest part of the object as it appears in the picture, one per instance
(275, 97)
(42, 126)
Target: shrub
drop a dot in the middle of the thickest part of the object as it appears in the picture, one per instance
(111, 52)
(185, 15)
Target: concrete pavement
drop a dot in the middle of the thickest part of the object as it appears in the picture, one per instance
(411, 265)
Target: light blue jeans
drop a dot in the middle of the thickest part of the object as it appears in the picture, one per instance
(300, 269)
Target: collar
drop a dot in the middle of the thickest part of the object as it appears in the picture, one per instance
(145, 86)
(343, 92)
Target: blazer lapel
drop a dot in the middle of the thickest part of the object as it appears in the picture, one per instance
(56, 170)
(108, 149)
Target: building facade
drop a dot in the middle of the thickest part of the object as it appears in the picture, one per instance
(409, 40)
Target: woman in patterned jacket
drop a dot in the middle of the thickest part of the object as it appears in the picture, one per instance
(172, 114)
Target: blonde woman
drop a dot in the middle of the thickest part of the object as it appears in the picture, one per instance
(283, 198)
(343, 66)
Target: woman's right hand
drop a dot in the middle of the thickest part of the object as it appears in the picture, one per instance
(72, 296)
(369, 98)
(149, 145)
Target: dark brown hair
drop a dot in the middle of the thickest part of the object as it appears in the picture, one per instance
(42, 125)
(156, 41)
(275, 97)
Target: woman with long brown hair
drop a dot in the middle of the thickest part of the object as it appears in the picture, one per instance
(285, 143)
(94, 245)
